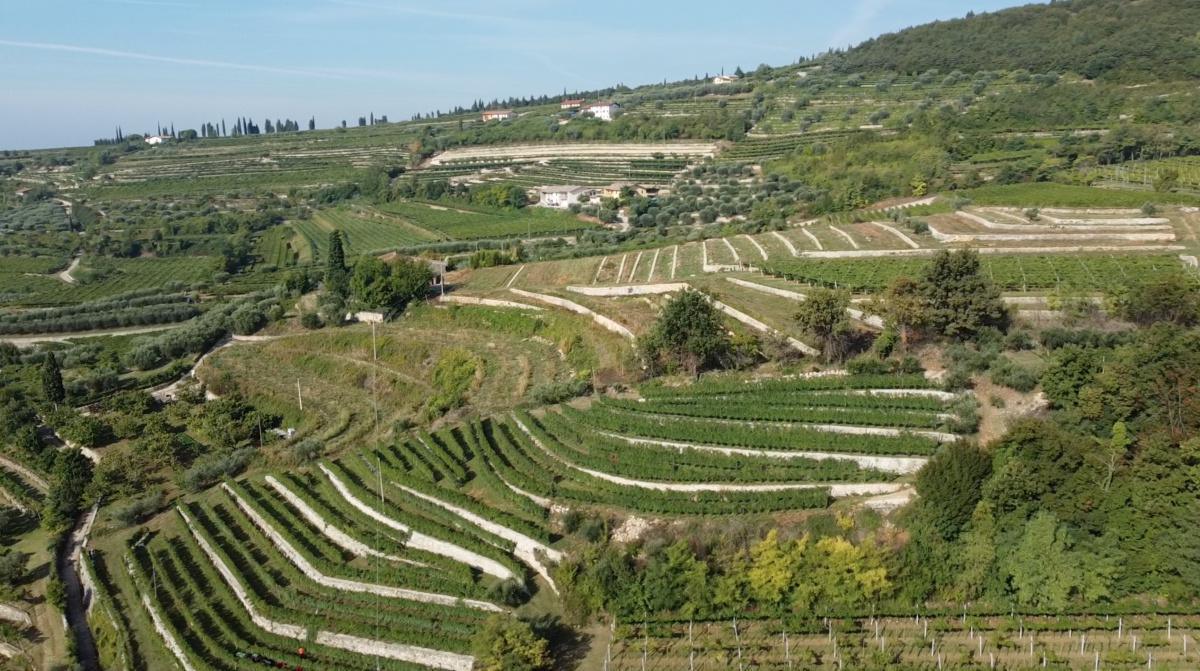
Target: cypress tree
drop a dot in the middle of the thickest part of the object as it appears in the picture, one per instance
(335, 265)
(52, 382)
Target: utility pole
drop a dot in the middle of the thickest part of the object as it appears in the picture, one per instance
(374, 375)
(299, 398)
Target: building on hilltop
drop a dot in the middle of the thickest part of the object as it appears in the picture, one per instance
(604, 111)
(571, 103)
(562, 197)
(157, 139)
(497, 115)
(725, 79)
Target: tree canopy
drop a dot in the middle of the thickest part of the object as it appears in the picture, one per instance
(688, 335)
(960, 301)
(389, 286)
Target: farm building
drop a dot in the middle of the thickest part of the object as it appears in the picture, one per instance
(157, 139)
(603, 111)
(571, 104)
(725, 79)
(497, 115)
(614, 190)
(562, 196)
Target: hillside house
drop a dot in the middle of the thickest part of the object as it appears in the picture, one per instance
(497, 115)
(571, 104)
(157, 139)
(604, 111)
(614, 190)
(562, 197)
(725, 79)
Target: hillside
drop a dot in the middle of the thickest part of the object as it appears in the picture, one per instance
(888, 359)
(1119, 40)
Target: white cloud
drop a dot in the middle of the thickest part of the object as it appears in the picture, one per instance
(199, 62)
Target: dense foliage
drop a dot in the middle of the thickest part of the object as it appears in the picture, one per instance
(688, 335)
(1112, 39)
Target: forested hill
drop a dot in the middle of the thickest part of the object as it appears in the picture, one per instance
(1119, 40)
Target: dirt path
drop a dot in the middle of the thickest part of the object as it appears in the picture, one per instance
(65, 275)
(30, 340)
(994, 421)
(78, 595)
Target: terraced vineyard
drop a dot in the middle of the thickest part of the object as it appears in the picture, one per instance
(466, 223)
(398, 554)
(366, 231)
(598, 171)
(765, 148)
(1087, 272)
(104, 277)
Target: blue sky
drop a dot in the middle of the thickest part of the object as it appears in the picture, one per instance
(71, 70)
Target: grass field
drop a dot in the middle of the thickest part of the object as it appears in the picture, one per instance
(341, 386)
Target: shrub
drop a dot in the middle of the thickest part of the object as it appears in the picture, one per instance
(208, 470)
(310, 320)
(305, 451)
(1006, 373)
(867, 364)
(247, 320)
(138, 509)
(557, 392)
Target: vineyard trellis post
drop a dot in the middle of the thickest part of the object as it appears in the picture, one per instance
(738, 638)
(691, 648)
(645, 643)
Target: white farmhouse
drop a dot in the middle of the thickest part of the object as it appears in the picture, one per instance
(562, 197)
(497, 115)
(604, 111)
(725, 79)
(157, 139)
